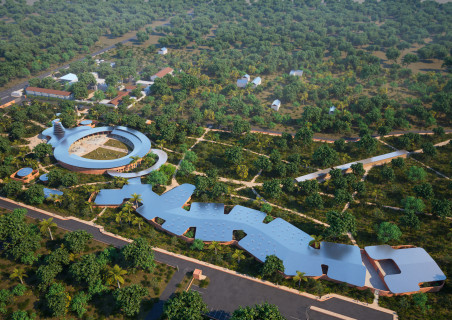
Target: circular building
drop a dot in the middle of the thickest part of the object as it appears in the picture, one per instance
(83, 149)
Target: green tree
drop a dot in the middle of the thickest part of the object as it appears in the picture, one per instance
(216, 246)
(187, 305)
(242, 171)
(139, 254)
(263, 163)
(18, 273)
(409, 58)
(197, 244)
(387, 173)
(99, 95)
(136, 198)
(442, 208)
(57, 300)
(238, 255)
(420, 300)
(87, 270)
(392, 54)
(413, 205)
(20, 239)
(79, 90)
(340, 223)
(272, 188)
(156, 178)
(388, 231)
(272, 265)
(186, 167)
(258, 312)
(76, 241)
(304, 136)
(415, 174)
(42, 150)
(316, 241)
(424, 190)
(115, 275)
(12, 188)
(300, 276)
(47, 225)
(128, 299)
(358, 169)
(34, 194)
(79, 303)
(234, 155)
(429, 149)
(325, 156)
(314, 201)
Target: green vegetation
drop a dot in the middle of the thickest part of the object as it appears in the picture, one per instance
(36, 286)
(116, 144)
(104, 154)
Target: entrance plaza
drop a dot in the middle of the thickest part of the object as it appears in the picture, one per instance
(344, 263)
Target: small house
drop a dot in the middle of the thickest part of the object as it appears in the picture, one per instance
(276, 105)
(247, 77)
(162, 73)
(163, 51)
(241, 83)
(256, 82)
(332, 110)
(296, 73)
(69, 78)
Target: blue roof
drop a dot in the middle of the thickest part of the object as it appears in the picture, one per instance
(24, 172)
(415, 265)
(141, 146)
(49, 192)
(44, 177)
(86, 122)
(278, 237)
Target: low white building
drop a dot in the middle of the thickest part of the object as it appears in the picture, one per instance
(296, 73)
(146, 85)
(276, 105)
(256, 82)
(163, 51)
(241, 83)
(17, 94)
(69, 78)
(332, 110)
(247, 77)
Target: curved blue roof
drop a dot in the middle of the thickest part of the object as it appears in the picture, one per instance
(44, 177)
(141, 146)
(24, 172)
(163, 157)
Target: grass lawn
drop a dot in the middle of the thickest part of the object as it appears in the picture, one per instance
(117, 144)
(104, 154)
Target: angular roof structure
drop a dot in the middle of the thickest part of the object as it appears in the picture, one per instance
(278, 237)
(71, 77)
(415, 266)
(48, 91)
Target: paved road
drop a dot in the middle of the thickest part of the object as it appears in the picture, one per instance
(6, 94)
(227, 292)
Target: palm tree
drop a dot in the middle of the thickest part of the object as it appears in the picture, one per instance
(316, 241)
(115, 275)
(137, 221)
(127, 207)
(128, 217)
(136, 198)
(215, 245)
(90, 205)
(238, 254)
(301, 276)
(46, 225)
(18, 273)
(119, 216)
(134, 159)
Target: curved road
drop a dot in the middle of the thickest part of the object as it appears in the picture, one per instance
(226, 291)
